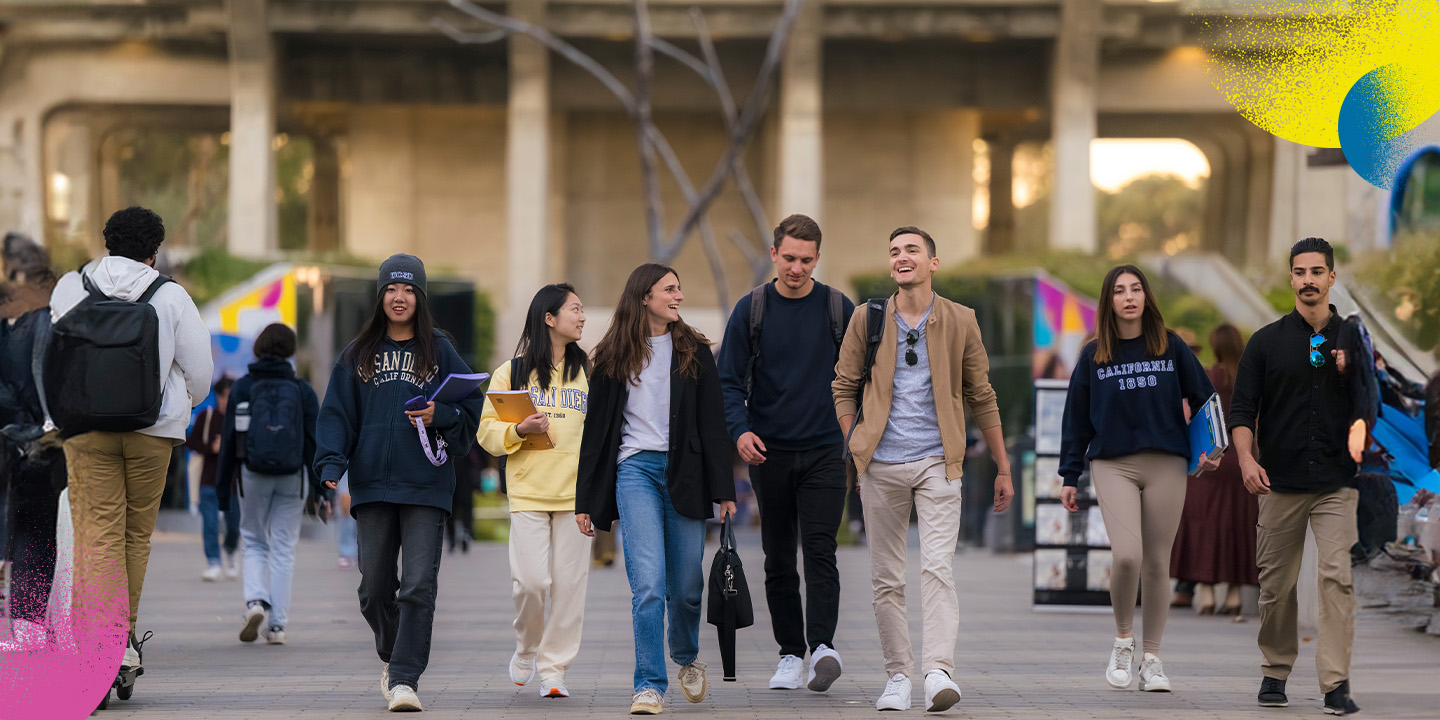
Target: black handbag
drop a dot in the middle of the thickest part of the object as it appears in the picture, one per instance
(730, 605)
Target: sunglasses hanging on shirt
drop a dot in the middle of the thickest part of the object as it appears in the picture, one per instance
(910, 339)
(1317, 358)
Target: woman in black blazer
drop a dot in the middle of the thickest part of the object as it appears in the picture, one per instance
(656, 456)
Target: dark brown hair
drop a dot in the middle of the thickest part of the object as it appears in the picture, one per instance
(1107, 325)
(535, 351)
(1228, 345)
(276, 340)
(625, 349)
(912, 230)
(800, 227)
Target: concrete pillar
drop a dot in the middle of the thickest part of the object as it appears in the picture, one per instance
(22, 182)
(253, 228)
(801, 181)
(1261, 191)
(1285, 200)
(1000, 230)
(942, 163)
(324, 218)
(527, 173)
(1073, 108)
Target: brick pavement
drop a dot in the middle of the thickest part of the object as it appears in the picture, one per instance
(1012, 662)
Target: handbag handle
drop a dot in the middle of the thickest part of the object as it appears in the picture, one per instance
(727, 535)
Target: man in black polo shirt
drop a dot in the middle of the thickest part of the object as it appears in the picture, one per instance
(1292, 393)
(781, 416)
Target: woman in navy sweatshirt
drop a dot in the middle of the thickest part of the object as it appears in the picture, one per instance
(1126, 414)
(399, 499)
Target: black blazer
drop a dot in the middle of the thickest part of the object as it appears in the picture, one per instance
(698, 474)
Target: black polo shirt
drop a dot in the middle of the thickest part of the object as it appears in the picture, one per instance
(1300, 414)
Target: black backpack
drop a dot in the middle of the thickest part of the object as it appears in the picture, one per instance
(275, 442)
(757, 323)
(102, 370)
(874, 330)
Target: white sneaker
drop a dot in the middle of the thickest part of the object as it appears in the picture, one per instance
(232, 566)
(896, 695)
(255, 617)
(553, 688)
(1152, 675)
(787, 673)
(275, 635)
(132, 657)
(940, 691)
(825, 668)
(521, 670)
(1122, 658)
(404, 699)
(385, 681)
(693, 682)
(212, 574)
(646, 702)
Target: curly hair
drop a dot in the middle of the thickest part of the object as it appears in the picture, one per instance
(135, 233)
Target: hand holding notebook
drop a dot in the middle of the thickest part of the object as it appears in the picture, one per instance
(513, 406)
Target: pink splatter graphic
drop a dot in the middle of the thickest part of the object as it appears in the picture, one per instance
(67, 676)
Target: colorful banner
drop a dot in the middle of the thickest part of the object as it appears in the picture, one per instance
(238, 316)
(1063, 320)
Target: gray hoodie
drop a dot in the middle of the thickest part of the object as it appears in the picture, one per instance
(184, 339)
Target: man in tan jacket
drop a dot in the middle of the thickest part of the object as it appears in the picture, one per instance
(908, 444)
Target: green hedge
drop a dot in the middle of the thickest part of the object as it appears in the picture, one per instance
(1407, 279)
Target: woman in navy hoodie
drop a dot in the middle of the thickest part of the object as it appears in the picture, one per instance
(399, 499)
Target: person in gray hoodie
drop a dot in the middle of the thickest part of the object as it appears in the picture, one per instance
(117, 479)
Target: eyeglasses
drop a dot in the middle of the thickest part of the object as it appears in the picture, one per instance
(910, 339)
(1317, 358)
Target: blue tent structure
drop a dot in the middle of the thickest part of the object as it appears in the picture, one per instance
(1403, 438)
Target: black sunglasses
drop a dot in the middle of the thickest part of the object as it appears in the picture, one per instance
(910, 339)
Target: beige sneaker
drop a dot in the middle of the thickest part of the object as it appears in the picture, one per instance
(646, 702)
(693, 682)
(385, 681)
(404, 699)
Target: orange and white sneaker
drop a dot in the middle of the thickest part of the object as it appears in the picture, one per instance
(553, 688)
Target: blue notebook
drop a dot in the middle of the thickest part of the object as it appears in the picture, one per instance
(1207, 431)
(457, 387)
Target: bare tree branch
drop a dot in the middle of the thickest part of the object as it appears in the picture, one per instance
(743, 131)
(644, 121)
(707, 230)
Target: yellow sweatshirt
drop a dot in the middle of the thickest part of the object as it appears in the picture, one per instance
(540, 480)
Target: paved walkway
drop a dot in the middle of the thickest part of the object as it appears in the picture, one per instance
(1013, 662)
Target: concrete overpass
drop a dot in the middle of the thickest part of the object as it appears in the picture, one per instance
(512, 166)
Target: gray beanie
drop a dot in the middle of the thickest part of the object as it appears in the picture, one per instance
(402, 268)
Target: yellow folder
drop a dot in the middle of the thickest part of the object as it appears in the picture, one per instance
(513, 406)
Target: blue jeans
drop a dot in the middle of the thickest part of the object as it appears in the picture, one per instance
(271, 511)
(349, 539)
(664, 552)
(210, 519)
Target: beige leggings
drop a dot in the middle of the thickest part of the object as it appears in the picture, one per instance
(1141, 498)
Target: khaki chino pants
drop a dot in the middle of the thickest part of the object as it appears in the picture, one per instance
(888, 490)
(1280, 544)
(116, 482)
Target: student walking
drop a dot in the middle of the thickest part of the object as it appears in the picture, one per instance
(270, 440)
(32, 469)
(904, 418)
(656, 457)
(1297, 429)
(116, 479)
(204, 440)
(548, 553)
(399, 498)
(1125, 413)
(776, 366)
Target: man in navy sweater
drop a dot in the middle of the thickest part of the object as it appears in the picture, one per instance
(780, 415)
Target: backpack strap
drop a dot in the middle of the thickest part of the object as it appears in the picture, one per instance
(757, 322)
(40, 345)
(154, 287)
(837, 318)
(874, 331)
(514, 371)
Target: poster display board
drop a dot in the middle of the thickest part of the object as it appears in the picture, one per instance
(1072, 550)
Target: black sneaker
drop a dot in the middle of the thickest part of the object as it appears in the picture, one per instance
(1272, 693)
(1338, 702)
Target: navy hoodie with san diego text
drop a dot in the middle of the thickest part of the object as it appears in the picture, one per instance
(363, 428)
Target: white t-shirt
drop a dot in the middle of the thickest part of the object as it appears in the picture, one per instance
(647, 410)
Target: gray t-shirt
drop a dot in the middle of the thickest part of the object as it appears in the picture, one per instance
(647, 410)
(913, 432)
